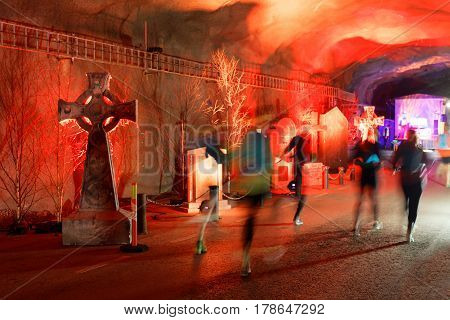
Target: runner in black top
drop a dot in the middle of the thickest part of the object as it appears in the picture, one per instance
(412, 161)
(298, 142)
(367, 155)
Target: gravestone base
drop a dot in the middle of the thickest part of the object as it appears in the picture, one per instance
(312, 174)
(93, 228)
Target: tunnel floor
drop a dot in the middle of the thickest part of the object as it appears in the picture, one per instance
(319, 260)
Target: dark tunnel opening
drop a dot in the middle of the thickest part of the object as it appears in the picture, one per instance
(432, 80)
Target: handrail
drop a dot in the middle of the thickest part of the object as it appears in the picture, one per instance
(62, 44)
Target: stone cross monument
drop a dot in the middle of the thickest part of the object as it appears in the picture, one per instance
(98, 111)
(368, 122)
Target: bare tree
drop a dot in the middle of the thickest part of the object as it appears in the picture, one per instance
(230, 106)
(212, 111)
(62, 144)
(188, 102)
(21, 156)
(232, 99)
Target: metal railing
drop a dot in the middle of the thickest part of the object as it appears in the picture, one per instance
(29, 38)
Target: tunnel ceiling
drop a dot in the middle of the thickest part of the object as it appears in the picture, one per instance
(373, 47)
(403, 71)
(431, 79)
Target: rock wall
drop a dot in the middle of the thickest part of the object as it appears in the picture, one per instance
(188, 33)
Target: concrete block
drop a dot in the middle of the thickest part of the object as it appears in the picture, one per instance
(93, 228)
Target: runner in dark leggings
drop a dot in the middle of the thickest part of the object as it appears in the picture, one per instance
(412, 161)
(367, 155)
(255, 163)
(298, 144)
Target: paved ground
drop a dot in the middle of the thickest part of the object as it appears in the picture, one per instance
(320, 260)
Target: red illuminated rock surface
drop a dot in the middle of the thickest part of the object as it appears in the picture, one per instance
(319, 260)
(362, 44)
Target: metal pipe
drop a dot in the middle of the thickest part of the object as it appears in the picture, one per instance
(134, 232)
(325, 177)
(142, 213)
(341, 175)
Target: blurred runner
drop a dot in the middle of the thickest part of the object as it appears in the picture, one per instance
(367, 155)
(255, 163)
(298, 144)
(412, 163)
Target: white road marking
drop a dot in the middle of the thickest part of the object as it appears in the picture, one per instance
(183, 238)
(100, 265)
(90, 268)
(274, 254)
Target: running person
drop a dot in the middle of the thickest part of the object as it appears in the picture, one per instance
(298, 144)
(367, 155)
(412, 160)
(256, 166)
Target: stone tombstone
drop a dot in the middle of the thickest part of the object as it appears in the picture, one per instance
(203, 171)
(333, 145)
(352, 112)
(312, 174)
(313, 129)
(97, 111)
